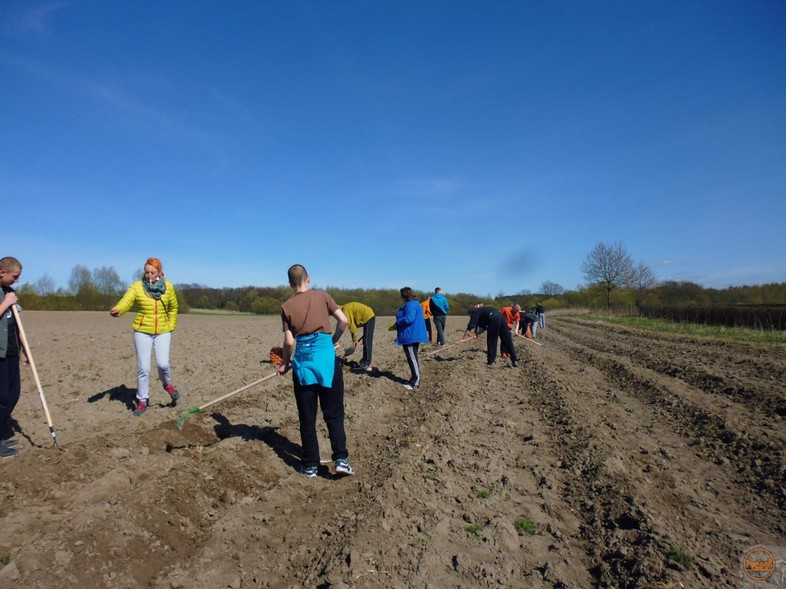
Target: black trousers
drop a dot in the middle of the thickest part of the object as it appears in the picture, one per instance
(411, 353)
(498, 329)
(368, 341)
(439, 323)
(10, 388)
(308, 398)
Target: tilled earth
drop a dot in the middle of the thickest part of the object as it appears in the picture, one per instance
(609, 458)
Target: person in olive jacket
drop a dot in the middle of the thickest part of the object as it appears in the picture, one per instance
(153, 325)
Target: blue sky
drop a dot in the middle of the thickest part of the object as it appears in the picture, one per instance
(483, 147)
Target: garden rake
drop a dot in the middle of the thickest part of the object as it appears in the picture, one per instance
(26, 345)
(349, 350)
(184, 414)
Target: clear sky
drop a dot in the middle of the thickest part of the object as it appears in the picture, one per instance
(483, 147)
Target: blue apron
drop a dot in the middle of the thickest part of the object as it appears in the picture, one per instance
(315, 359)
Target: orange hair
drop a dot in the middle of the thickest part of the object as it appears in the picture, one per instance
(156, 263)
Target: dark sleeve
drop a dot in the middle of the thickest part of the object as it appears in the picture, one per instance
(473, 319)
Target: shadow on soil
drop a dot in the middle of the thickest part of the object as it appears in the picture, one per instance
(119, 393)
(286, 450)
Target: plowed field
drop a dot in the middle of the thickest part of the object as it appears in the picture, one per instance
(610, 457)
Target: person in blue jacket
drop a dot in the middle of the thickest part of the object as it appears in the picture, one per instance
(439, 306)
(411, 332)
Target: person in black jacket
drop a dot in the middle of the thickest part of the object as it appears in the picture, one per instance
(10, 347)
(528, 320)
(496, 327)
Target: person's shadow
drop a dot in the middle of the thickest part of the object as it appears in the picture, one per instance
(119, 393)
(286, 450)
(377, 373)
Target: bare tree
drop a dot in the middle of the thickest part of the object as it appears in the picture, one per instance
(107, 281)
(551, 289)
(642, 283)
(609, 266)
(44, 285)
(80, 278)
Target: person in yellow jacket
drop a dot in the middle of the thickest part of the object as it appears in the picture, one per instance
(360, 315)
(153, 325)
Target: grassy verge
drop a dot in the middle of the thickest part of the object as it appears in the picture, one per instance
(736, 334)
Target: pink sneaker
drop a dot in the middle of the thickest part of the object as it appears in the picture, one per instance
(141, 406)
(173, 392)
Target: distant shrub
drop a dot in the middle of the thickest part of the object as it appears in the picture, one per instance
(749, 316)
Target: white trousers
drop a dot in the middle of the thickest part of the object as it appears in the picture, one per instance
(144, 344)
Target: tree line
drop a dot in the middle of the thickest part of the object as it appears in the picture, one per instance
(614, 282)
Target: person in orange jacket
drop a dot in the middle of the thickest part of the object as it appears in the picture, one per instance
(427, 317)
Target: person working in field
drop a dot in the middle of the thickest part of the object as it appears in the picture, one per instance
(153, 325)
(426, 306)
(528, 322)
(493, 322)
(411, 332)
(540, 311)
(439, 306)
(511, 315)
(10, 346)
(316, 370)
(360, 315)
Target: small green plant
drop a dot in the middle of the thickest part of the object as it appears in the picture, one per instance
(679, 556)
(5, 559)
(430, 476)
(473, 529)
(525, 526)
(424, 542)
(350, 417)
(482, 494)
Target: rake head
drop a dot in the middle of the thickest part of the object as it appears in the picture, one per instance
(182, 417)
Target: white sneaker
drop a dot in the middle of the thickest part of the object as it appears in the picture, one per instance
(344, 467)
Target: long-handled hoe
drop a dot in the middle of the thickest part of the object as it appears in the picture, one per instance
(443, 348)
(184, 414)
(528, 339)
(23, 337)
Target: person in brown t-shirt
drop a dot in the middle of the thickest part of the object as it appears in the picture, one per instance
(316, 370)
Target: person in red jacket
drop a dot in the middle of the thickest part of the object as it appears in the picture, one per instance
(512, 317)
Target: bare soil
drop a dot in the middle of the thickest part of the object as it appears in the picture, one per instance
(609, 458)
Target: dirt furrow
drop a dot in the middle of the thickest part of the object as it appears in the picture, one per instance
(755, 464)
(745, 373)
(685, 500)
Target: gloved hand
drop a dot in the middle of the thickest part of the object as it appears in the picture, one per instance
(276, 356)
